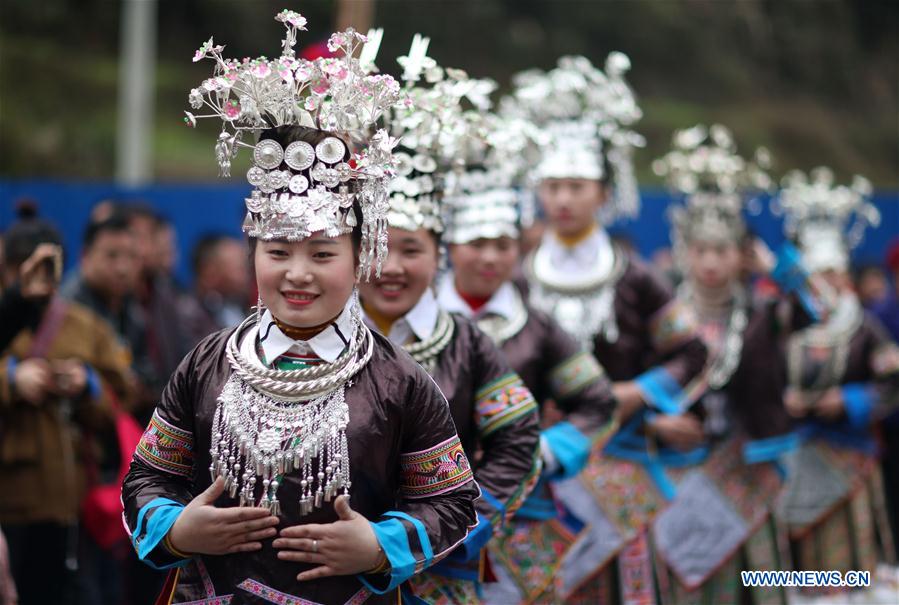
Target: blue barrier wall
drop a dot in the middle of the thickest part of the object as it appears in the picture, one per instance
(199, 209)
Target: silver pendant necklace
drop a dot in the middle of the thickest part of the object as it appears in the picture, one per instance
(269, 423)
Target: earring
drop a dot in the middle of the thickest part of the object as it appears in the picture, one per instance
(258, 309)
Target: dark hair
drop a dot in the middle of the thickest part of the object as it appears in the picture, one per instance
(205, 249)
(284, 136)
(118, 222)
(29, 232)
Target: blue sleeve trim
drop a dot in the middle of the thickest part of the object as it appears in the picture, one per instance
(858, 401)
(570, 447)
(423, 538)
(158, 525)
(770, 449)
(494, 502)
(474, 543)
(660, 390)
(93, 383)
(791, 275)
(391, 535)
(11, 364)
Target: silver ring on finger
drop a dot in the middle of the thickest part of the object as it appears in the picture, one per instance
(315, 546)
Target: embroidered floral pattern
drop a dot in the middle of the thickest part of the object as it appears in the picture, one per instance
(437, 470)
(671, 326)
(573, 374)
(502, 402)
(271, 595)
(166, 447)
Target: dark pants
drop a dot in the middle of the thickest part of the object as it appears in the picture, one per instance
(37, 556)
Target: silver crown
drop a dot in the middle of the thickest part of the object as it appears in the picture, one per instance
(717, 183)
(588, 114)
(301, 189)
(431, 125)
(825, 219)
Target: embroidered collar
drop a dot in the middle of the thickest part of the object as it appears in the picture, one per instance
(328, 344)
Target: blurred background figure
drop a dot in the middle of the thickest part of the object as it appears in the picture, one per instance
(871, 286)
(888, 309)
(221, 265)
(56, 384)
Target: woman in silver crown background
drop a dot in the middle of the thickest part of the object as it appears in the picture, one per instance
(494, 412)
(743, 419)
(606, 298)
(842, 377)
(242, 482)
(483, 228)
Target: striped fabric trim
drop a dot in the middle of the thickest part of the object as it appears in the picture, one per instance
(671, 326)
(166, 447)
(572, 375)
(434, 471)
(502, 402)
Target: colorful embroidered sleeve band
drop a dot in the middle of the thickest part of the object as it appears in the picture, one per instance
(572, 375)
(434, 471)
(502, 402)
(166, 447)
(672, 326)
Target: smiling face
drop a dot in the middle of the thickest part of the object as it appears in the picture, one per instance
(408, 271)
(571, 204)
(481, 266)
(306, 283)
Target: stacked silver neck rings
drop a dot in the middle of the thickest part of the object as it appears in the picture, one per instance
(272, 422)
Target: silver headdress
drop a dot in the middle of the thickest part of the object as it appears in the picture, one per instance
(825, 220)
(431, 125)
(705, 169)
(485, 201)
(304, 189)
(588, 115)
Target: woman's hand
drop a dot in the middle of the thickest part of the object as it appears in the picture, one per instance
(795, 403)
(830, 405)
(629, 398)
(683, 432)
(346, 547)
(204, 529)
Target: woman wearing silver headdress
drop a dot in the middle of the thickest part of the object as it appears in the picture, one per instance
(574, 395)
(606, 298)
(494, 412)
(740, 418)
(842, 375)
(242, 481)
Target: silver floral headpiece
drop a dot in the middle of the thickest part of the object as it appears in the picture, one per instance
(431, 125)
(484, 201)
(588, 114)
(303, 189)
(704, 168)
(826, 220)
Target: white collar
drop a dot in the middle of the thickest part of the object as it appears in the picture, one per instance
(586, 251)
(502, 303)
(327, 344)
(420, 321)
(422, 318)
(590, 261)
